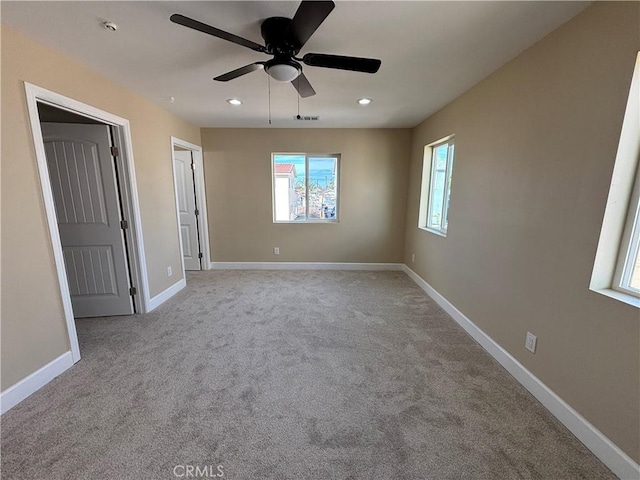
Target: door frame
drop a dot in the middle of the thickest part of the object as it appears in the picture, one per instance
(201, 199)
(129, 195)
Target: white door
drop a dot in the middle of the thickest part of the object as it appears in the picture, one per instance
(85, 192)
(187, 209)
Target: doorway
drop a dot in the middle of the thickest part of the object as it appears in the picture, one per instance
(115, 130)
(191, 206)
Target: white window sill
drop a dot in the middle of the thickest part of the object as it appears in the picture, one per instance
(306, 222)
(623, 297)
(434, 231)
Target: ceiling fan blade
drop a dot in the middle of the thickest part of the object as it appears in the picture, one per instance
(356, 64)
(308, 17)
(303, 86)
(238, 72)
(216, 32)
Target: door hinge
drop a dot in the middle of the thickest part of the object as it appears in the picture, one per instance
(115, 152)
(197, 212)
(200, 255)
(123, 224)
(133, 291)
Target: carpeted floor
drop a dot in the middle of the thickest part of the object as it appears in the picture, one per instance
(288, 375)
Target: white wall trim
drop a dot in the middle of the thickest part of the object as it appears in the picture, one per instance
(38, 379)
(35, 94)
(139, 259)
(304, 266)
(201, 198)
(162, 297)
(603, 448)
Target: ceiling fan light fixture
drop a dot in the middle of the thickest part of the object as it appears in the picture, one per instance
(283, 70)
(234, 101)
(364, 101)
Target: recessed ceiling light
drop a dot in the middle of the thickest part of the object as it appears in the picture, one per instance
(234, 101)
(364, 101)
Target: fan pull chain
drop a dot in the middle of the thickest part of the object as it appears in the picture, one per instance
(269, 89)
(298, 93)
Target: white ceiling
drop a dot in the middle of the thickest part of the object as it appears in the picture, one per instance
(431, 52)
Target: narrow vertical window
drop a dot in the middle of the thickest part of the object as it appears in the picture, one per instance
(436, 186)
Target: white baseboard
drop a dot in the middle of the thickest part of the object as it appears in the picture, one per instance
(603, 448)
(304, 266)
(162, 297)
(38, 379)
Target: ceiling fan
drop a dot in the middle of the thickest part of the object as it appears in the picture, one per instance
(284, 38)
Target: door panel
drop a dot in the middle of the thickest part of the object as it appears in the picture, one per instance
(87, 204)
(186, 241)
(91, 270)
(76, 181)
(186, 209)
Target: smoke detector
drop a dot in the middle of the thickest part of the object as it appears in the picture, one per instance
(112, 27)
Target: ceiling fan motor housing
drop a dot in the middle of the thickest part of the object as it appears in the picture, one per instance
(274, 31)
(281, 67)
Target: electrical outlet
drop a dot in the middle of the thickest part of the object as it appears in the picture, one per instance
(531, 342)
(276, 250)
(413, 257)
(169, 272)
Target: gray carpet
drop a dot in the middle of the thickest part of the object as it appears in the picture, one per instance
(288, 375)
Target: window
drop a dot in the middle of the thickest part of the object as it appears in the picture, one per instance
(616, 270)
(305, 187)
(437, 169)
(627, 275)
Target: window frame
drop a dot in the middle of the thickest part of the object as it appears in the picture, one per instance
(427, 187)
(307, 156)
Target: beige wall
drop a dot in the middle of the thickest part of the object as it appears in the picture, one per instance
(33, 327)
(373, 178)
(535, 148)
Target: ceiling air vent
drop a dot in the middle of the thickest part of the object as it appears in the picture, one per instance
(307, 117)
